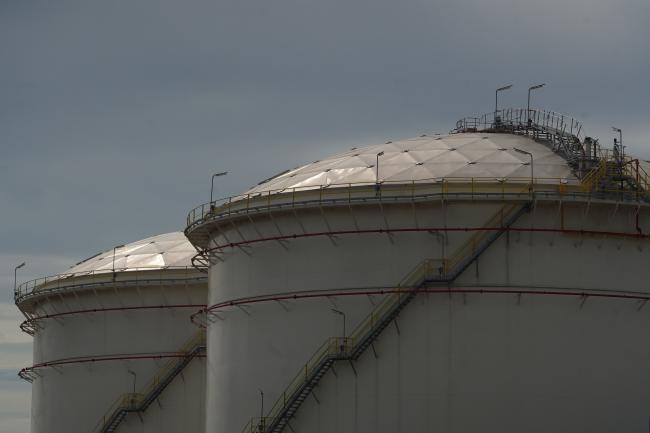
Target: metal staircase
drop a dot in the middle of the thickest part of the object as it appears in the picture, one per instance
(139, 402)
(352, 347)
(452, 267)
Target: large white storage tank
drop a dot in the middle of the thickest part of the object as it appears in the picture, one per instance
(491, 279)
(114, 349)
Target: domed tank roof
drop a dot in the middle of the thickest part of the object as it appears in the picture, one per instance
(460, 155)
(169, 250)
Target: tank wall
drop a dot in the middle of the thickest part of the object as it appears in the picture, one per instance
(74, 397)
(180, 408)
(481, 363)
(263, 345)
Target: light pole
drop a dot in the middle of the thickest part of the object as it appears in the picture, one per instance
(342, 314)
(133, 395)
(532, 172)
(223, 173)
(377, 166)
(135, 377)
(16, 273)
(496, 99)
(620, 140)
(538, 86)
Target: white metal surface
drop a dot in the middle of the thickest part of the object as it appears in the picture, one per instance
(539, 334)
(479, 155)
(99, 336)
(156, 252)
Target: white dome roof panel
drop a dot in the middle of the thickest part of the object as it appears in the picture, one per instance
(169, 250)
(478, 155)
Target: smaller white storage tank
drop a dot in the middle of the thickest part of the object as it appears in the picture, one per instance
(114, 349)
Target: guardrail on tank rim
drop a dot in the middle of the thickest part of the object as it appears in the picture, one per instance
(390, 193)
(385, 189)
(62, 281)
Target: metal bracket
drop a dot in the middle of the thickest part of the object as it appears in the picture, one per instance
(353, 368)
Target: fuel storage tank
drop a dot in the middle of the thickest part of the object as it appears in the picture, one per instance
(490, 279)
(114, 349)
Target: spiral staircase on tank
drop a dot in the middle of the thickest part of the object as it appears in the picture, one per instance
(350, 348)
(139, 402)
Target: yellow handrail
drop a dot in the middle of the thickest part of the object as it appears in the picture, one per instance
(595, 175)
(471, 245)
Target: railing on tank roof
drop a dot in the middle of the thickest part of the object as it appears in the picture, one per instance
(523, 118)
(62, 281)
(391, 191)
(563, 133)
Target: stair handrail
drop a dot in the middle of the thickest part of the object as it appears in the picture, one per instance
(346, 347)
(636, 172)
(133, 401)
(469, 247)
(594, 176)
(341, 347)
(411, 281)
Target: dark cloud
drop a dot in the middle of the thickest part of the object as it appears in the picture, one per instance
(114, 114)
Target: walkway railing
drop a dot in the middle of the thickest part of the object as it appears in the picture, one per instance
(523, 118)
(385, 191)
(562, 132)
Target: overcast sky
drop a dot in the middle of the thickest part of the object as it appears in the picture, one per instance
(114, 114)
